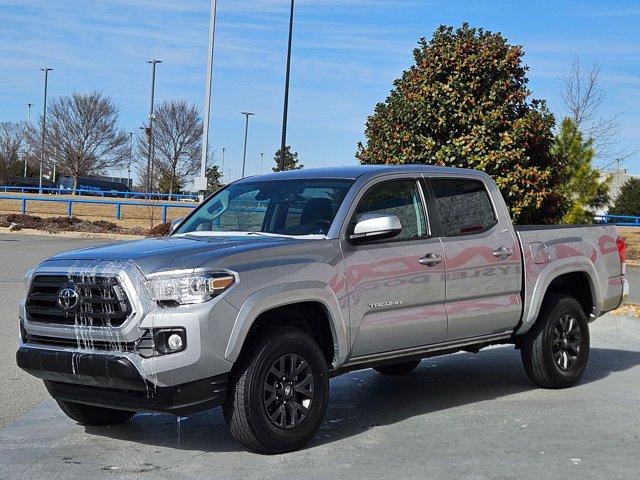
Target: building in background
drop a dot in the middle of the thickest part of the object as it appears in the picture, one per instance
(618, 179)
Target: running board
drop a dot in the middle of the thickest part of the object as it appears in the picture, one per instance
(414, 353)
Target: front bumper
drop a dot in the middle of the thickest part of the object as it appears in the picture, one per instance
(113, 381)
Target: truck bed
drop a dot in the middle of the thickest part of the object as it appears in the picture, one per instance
(549, 251)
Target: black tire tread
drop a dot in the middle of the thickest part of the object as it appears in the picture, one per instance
(237, 409)
(532, 347)
(237, 418)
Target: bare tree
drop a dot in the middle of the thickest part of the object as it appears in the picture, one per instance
(11, 148)
(584, 99)
(82, 137)
(177, 143)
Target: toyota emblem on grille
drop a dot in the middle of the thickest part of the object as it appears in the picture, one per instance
(68, 298)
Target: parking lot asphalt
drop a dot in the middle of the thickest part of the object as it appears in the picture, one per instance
(463, 416)
(633, 275)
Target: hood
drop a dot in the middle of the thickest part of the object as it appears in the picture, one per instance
(177, 252)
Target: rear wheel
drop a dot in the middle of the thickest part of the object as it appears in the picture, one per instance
(556, 349)
(278, 392)
(95, 416)
(397, 368)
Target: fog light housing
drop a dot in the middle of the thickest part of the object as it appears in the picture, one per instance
(169, 340)
(174, 342)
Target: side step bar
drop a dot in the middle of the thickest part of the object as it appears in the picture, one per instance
(445, 348)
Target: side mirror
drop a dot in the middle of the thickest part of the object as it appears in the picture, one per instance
(373, 226)
(175, 223)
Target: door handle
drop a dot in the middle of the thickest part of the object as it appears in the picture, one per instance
(430, 260)
(503, 253)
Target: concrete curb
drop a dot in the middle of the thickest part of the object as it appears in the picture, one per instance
(42, 233)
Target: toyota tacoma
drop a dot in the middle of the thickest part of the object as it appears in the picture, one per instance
(278, 282)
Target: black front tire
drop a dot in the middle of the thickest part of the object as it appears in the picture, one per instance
(94, 416)
(398, 368)
(556, 349)
(247, 410)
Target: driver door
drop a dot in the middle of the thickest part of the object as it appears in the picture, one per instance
(396, 302)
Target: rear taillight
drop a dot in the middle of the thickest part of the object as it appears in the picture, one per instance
(622, 250)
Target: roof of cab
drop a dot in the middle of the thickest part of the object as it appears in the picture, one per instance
(355, 171)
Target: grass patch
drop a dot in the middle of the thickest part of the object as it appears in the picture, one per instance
(631, 237)
(132, 216)
(75, 224)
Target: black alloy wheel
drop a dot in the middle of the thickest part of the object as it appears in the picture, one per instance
(566, 342)
(288, 391)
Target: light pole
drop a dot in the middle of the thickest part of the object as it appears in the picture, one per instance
(286, 91)
(246, 133)
(201, 183)
(46, 71)
(28, 134)
(130, 159)
(224, 149)
(261, 160)
(153, 63)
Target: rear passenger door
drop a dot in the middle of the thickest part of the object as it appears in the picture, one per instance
(482, 258)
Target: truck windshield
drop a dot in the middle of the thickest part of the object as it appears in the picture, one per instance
(284, 207)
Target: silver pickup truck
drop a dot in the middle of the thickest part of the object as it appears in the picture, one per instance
(278, 282)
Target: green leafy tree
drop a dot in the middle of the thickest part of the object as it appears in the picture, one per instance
(583, 189)
(291, 161)
(465, 103)
(214, 179)
(167, 183)
(628, 200)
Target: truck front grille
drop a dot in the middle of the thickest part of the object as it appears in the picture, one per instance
(86, 300)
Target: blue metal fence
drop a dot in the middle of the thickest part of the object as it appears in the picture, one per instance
(97, 193)
(620, 220)
(76, 200)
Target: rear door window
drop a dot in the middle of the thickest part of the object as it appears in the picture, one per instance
(463, 205)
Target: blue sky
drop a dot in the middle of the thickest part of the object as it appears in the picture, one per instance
(346, 55)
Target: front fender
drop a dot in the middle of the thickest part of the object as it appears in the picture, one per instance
(551, 271)
(287, 294)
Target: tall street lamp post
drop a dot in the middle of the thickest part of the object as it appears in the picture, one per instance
(261, 160)
(201, 183)
(246, 133)
(286, 90)
(46, 71)
(224, 149)
(153, 63)
(28, 134)
(130, 159)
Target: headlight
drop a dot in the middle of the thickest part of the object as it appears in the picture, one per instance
(187, 289)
